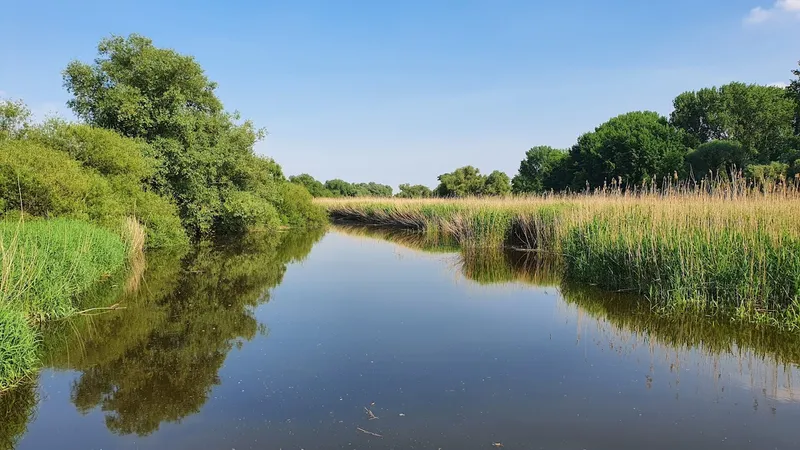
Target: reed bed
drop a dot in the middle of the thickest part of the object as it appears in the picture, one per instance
(44, 264)
(726, 248)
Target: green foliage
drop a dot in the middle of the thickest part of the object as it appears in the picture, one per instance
(204, 159)
(542, 170)
(462, 182)
(48, 183)
(17, 348)
(14, 119)
(297, 209)
(793, 92)
(372, 189)
(87, 173)
(414, 191)
(314, 187)
(341, 188)
(716, 158)
(635, 147)
(47, 262)
(763, 173)
(759, 117)
(497, 183)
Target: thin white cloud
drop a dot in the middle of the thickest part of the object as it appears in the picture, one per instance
(781, 9)
(3, 94)
(779, 84)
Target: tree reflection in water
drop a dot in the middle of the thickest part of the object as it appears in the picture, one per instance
(156, 360)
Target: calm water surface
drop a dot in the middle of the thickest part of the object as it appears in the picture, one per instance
(281, 342)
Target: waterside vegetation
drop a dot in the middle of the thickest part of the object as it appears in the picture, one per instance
(156, 162)
(728, 248)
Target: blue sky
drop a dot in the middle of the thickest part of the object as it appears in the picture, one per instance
(403, 91)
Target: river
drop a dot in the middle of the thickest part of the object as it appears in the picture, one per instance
(354, 340)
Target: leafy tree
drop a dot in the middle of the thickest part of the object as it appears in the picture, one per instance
(759, 117)
(635, 147)
(539, 171)
(314, 187)
(497, 183)
(204, 156)
(14, 119)
(372, 189)
(340, 188)
(767, 172)
(793, 92)
(716, 157)
(462, 182)
(414, 191)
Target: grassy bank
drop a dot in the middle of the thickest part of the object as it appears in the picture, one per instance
(44, 264)
(730, 252)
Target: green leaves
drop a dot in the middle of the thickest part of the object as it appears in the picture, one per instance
(636, 147)
(204, 158)
(541, 171)
(415, 191)
(468, 181)
(759, 117)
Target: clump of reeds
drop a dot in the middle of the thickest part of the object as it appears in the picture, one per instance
(43, 265)
(726, 246)
(17, 348)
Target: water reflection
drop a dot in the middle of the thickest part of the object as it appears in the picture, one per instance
(762, 359)
(17, 408)
(156, 360)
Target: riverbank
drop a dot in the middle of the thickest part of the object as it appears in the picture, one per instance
(44, 265)
(732, 253)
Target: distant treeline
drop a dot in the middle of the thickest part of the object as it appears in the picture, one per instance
(464, 181)
(738, 128)
(749, 130)
(341, 188)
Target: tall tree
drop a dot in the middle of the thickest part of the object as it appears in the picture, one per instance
(794, 95)
(636, 147)
(497, 183)
(539, 171)
(205, 158)
(759, 117)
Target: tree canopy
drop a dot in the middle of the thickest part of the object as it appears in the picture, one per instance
(204, 158)
(466, 181)
(544, 168)
(414, 191)
(635, 147)
(759, 117)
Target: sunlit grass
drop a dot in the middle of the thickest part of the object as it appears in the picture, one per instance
(44, 264)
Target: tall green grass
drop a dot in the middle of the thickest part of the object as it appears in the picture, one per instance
(17, 348)
(44, 264)
(733, 252)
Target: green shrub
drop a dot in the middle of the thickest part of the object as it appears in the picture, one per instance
(297, 209)
(48, 183)
(86, 173)
(17, 348)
